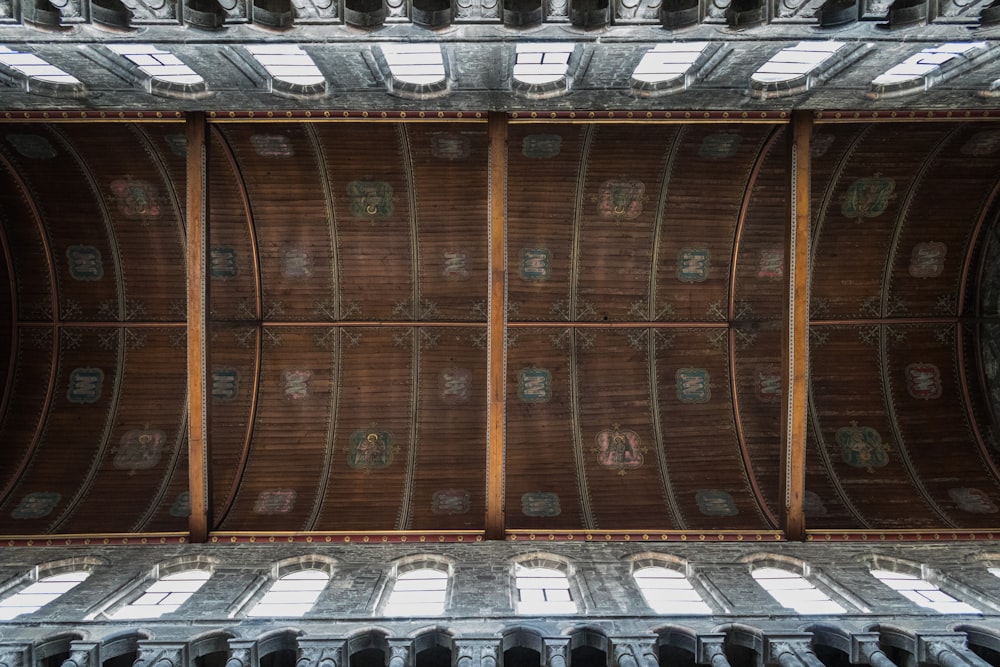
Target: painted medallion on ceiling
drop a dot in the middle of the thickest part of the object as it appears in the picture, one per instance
(771, 264)
(716, 502)
(767, 383)
(370, 450)
(540, 504)
(923, 381)
(449, 146)
(296, 263)
(36, 505)
(719, 146)
(32, 146)
(692, 385)
(454, 385)
(455, 264)
(140, 449)
(982, 143)
(536, 264)
(534, 385)
(450, 501)
(927, 259)
(181, 506)
(972, 500)
(272, 145)
(296, 384)
(136, 198)
(862, 447)
(85, 263)
(225, 383)
(370, 199)
(867, 197)
(621, 199)
(222, 262)
(693, 265)
(541, 146)
(619, 449)
(274, 501)
(85, 385)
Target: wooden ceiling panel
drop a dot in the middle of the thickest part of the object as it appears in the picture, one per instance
(542, 480)
(76, 435)
(448, 468)
(826, 505)
(855, 426)
(450, 187)
(146, 441)
(26, 244)
(144, 224)
(542, 193)
(709, 483)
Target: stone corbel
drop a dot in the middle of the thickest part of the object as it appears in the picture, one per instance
(556, 652)
(947, 650)
(15, 655)
(865, 648)
(646, 653)
(83, 654)
(242, 653)
(792, 650)
(399, 652)
(488, 654)
(319, 652)
(156, 654)
(711, 650)
(476, 653)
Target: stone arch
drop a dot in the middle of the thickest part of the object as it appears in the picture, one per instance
(53, 650)
(676, 645)
(209, 649)
(525, 643)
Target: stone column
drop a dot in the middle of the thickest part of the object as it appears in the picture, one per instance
(624, 656)
(242, 653)
(947, 654)
(319, 652)
(793, 651)
(476, 653)
(82, 654)
(875, 655)
(711, 651)
(556, 652)
(399, 652)
(15, 656)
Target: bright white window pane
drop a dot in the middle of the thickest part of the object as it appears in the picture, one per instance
(157, 63)
(666, 62)
(539, 64)
(288, 63)
(165, 595)
(292, 595)
(34, 67)
(669, 592)
(923, 592)
(543, 590)
(922, 63)
(795, 61)
(795, 592)
(418, 64)
(37, 595)
(418, 593)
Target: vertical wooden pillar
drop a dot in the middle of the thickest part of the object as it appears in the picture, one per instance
(796, 330)
(197, 324)
(497, 325)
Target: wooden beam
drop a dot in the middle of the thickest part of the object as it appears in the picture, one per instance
(197, 324)
(796, 329)
(497, 326)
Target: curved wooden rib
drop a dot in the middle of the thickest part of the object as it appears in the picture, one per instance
(673, 507)
(883, 329)
(241, 467)
(9, 380)
(54, 297)
(406, 505)
(95, 466)
(762, 154)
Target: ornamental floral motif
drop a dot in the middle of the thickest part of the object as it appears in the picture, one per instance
(927, 259)
(862, 447)
(540, 504)
(867, 197)
(621, 199)
(140, 449)
(619, 449)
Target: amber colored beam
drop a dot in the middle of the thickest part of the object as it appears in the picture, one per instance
(496, 328)
(197, 318)
(796, 330)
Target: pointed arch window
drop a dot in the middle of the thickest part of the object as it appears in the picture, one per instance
(923, 592)
(543, 590)
(418, 592)
(292, 595)
(668, 591)
(794, 591)
(35, 596)
(165, 595)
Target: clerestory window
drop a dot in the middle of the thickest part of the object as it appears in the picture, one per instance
(165, 595)
(39, 75)
(923, 592)
(543, 590)
(32, 598)
(293, 594)
(795, 591)
(669, 591)
(419, 592)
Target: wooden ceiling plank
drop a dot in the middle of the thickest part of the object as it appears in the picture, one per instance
(796, 329)
(496, 343)
(197, 318)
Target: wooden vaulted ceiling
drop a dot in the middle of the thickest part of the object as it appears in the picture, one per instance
(353, 317)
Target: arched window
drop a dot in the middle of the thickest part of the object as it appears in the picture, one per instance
(165, 595)
(417, 592)
(922, 592)
(293, 594)
(795, 592)
(37, 595)
(543, 590)
(668, 591)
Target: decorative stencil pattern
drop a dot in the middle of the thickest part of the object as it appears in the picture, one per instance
(136, 199)
(621, 199)
(619, 449)
(450, 501)
(455, 265)
(370, 450)
(455, 384)
(862, 447)
(541, 146)
(32, 146)
(540, 504)
(274, 501)
(720, 145)
(272, 145)
(370, 199)
(36, 505)
(85, 262)
(923, 381)
(296, 263)
(693, 265)
(972, 500)
(450, 146)
(534, 385)
(771, 264)
(225, 383)
(222, 262)
(296, 384)
(182, 505)
(536, 264)
(85, 385)
(927, 259)
(140, 449)
(867, 197)
(767, 383)
(692, 385)
(982, 143)
(715, 502)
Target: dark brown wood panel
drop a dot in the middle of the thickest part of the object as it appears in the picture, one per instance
(26, 243)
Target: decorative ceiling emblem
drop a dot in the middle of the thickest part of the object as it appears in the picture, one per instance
(272, 145)
(85, 262)
(692, 385)
(540, 504)
(296, 384)
(720, 145)
(534, 385)
(455, 384)
(867, 197)
(981, 143)
(972, 500)
(541, 146)
(923, 381)
(767, 383)
(862, 447)
(619, 449)
(716, 502)
(225, 383)
(182, 505)
(274, 501)
(222, 262)
(296, 263)
(450, 501)
(820, 144)
(32, 146)
(140, 449)
(449, 146)
(85, 385)
(370, 449)
(693, 265)
(621, 199)
(136, 199)
(812, 505)
(536, 264)
(927, 259)
(177, 143)
(36, 505)
(771, 264)
(455, 265)
(370, 199)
